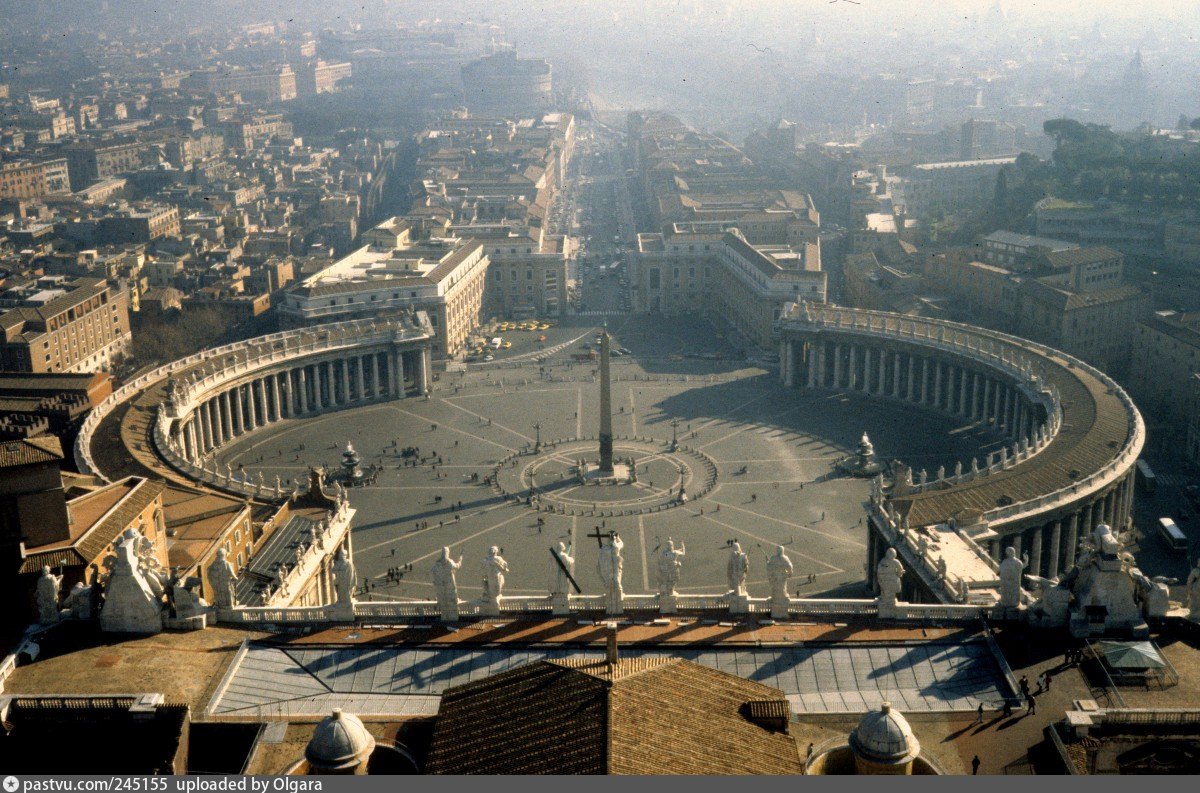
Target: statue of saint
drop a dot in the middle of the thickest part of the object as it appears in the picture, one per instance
(47, 596)
(494, 568)
(611, 567)
(445, 586)
(1193, 592)
(779, 570)
(1107, 543)
(737, 569)
(888, 576)
(344, 578)
(1011, 571)
(669, 566)
(559, 583)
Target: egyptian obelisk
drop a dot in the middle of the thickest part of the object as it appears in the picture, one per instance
(606, 437)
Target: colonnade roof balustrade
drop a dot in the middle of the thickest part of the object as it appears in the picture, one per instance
(1098, 442)
(117, 438)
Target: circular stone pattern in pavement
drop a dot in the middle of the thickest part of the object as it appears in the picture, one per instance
(550, 480)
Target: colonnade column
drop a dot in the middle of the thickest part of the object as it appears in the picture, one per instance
(205, 429)
(1035, 551)
(924, 381)
(1055, 547)
(227, 418)
(358, 377)
(275, 396)
(1072, 539)
(398, 374)
(837, 366)
(424, 364)
(302, 388)
(257, 416)
(375, 382)
(896, 375)
(235, 400)
(881, 386)
(318, 397)
(937, 384)
(346, 378)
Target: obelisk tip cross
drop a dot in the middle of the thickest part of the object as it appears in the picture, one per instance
(606, 436)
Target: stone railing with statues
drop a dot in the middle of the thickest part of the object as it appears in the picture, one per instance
(208, 371)
(614, 602)
(1024, 362)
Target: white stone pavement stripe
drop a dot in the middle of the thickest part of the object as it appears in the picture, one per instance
(799, 526)
(485, 418)
(793, 550)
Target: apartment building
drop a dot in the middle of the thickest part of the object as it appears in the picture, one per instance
(34, 179)
(742, 285)
(58, 325)
(393, 273)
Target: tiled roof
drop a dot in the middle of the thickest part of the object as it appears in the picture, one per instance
(30, 451)
(645, 716)
(95, 538)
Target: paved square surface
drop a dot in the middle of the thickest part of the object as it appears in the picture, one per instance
(774, 450)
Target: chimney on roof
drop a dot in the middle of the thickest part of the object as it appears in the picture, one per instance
(610, 636)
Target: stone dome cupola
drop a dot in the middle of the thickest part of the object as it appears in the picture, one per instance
(339, 745)
(883, 741)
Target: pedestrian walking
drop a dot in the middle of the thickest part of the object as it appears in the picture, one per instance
(975, 763)
(1031, 702)
(1024, 685)
(1046, 681)
(979, 719)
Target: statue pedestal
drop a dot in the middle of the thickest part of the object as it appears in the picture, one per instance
(738, 603)
(616, 606)
(490, 607)
(342, 612)
(887, 607)
(560, 604)
(666, 604)
(449, 613)
(779, 609)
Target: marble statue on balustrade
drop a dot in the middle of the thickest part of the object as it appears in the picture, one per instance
(80, 602)
(670, 565)
(559, 582)
(736, 569)
(186, 600)
(611, 567)
(494, 568)
(222, 580)
(1011, 571)
(445, 586)
(47, 596)
(133, 597)
(1104, 593)
(1193, 593)
(889, 575)
(345, 579)
(779, 570)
